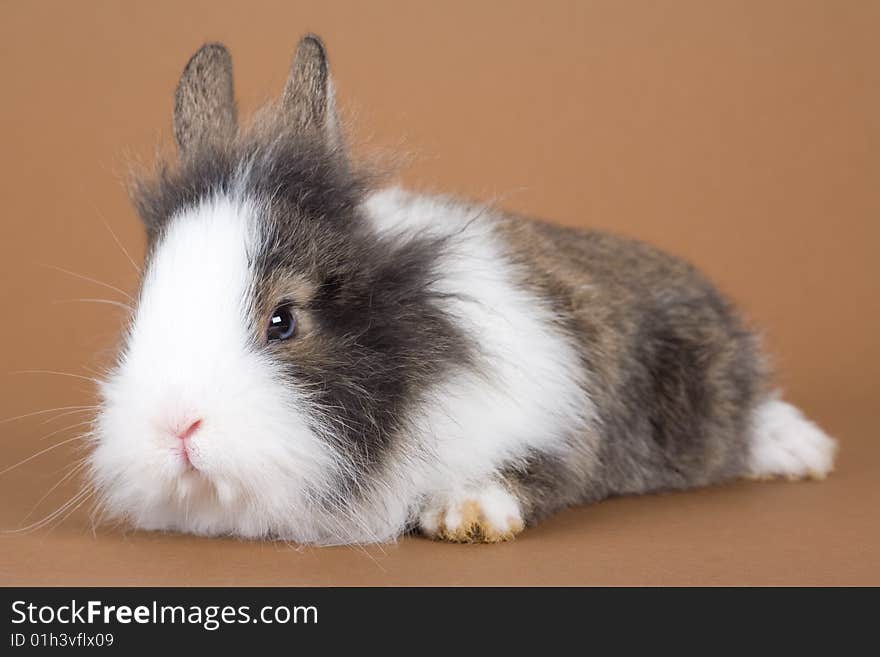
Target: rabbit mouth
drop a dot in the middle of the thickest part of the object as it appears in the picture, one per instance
(188, 456)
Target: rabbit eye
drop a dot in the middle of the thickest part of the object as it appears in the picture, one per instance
(282, 324)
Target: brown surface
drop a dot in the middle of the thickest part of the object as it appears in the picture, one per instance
(742, 135)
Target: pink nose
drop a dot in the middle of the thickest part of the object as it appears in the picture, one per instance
(189, 430)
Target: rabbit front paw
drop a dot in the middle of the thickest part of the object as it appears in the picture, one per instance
(490, 514)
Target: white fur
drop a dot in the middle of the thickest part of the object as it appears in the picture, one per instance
(190, 357)
(784, 443)
(499, 511)
(528, 389)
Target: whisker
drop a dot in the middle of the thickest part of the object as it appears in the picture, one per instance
(75, 376)
(109, 302)
(40, 453)
(85, 409)
(73, 510)
(91, 280)
(77, 467)
(77, 499)
(43, 412)
(63, 429)
(50, 516)
(103, 374)
(119, 244)
(97, 515)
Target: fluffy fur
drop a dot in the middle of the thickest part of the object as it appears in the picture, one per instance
(454, 369)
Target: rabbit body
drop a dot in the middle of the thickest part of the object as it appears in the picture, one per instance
(317, 358)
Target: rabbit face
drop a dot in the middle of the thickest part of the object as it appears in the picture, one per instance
(202, 427)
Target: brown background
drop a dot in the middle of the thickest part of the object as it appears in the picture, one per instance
(744, 136)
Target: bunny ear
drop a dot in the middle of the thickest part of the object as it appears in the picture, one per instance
(308, 100)
(204, 103)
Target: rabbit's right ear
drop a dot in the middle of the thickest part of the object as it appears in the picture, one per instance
(204, 103)
(308, 101)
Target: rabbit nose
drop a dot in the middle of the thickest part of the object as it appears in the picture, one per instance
(188, 429)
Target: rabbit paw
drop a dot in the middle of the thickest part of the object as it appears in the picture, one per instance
(486, 515)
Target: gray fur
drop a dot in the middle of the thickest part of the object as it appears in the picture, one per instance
(673, 372)
(204, 104)
(308, 101)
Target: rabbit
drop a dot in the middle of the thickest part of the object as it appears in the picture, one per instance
(320, 358)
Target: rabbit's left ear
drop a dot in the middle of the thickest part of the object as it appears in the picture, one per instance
(308, 101)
